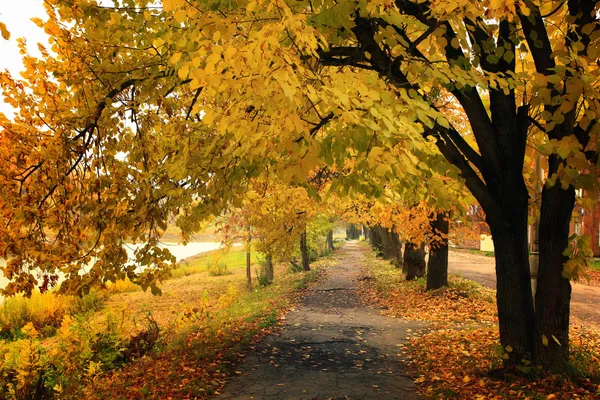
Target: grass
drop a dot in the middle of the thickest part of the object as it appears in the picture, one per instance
(201, 343)
(201, 319)
(482, 253)
(595, 265)
(463, 302)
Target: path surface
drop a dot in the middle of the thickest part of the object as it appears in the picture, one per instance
(585, 299)
(331, 347)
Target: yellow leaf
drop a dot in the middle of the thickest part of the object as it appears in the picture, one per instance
(5, 33)
(556, 340)
(544, 340)
(466, 379)
(183, 72)
(175, 58)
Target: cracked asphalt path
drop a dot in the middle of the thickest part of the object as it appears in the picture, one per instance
(331, 347)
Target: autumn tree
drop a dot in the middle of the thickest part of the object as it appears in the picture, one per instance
(140, 112)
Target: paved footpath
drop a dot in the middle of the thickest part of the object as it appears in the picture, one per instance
(585, 299)
(331, 347)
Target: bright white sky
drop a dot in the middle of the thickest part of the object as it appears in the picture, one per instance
(16, 15)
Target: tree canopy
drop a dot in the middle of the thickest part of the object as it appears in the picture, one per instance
(138, 111)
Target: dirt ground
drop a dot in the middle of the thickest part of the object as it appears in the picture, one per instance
(585, 299)
(331, 347)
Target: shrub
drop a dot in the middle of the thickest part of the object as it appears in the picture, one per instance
(45, 311)
(261, 278)
(218, 269)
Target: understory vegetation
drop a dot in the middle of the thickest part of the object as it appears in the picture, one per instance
(125, 343)
(459, 356)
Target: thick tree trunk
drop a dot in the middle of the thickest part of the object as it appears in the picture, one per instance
(269, 268)
(553, 294)
(304, 252)
(365, 231)
(330, 245)
(513, 282)
(414, 261)
(437, 267)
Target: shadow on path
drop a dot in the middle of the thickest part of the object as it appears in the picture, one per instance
(331, 347)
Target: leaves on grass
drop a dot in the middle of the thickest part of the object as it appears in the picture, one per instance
(460, 364)
(463, 302)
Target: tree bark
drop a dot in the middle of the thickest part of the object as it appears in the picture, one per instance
(269, 268)
(248, 265)
(437, 267)
(376, 239)
(392, 247)
(304, 252)
(553, 294)
(330, 245)
(513, 294)
(414, 261)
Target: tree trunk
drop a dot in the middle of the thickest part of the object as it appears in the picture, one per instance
(376, 239)
(513, 294)
(392, 248)
(365, 231)
(330, 245)
(553, 294)
(352, 232)
(269, 268)
(248, 265)
(414, 261)
(304, 252)
(437, 267)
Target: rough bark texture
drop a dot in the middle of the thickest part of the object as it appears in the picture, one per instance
(269, 268)
(437, 266)
(513, 294)
(330, 245)
(553, 293)
(414, 261)
(304, 252)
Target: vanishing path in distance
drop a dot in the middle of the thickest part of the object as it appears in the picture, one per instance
(331, 347)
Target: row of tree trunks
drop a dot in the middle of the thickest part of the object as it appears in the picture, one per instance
(353, 232)
(392, 247)
(437, 266)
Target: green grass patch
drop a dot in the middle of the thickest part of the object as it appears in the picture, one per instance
(482, 253)
(234, 258)
(595, 264)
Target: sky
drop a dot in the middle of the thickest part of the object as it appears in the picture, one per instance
(16, 15)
